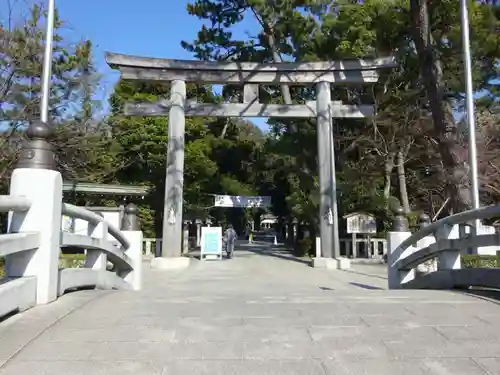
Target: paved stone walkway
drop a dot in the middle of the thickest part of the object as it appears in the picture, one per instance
(256, 314)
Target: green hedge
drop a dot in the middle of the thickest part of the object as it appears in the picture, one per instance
(481, 261)
(71, 260)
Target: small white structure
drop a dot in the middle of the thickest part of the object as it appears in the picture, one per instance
(84, 191)
(268, 222)
(361, 223)
(79, 226)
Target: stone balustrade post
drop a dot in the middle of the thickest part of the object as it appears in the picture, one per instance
(199, 223)
(400, 231)
(37, 179)
(318, 247)
(429, 265)
(185, 236)
(306, 232)
(289, 235)
(295, 231)
(450, 258)
(131, 229)
(97, 259)
(158, 242)
(148, 252)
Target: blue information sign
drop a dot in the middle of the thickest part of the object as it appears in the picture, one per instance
(211, 242)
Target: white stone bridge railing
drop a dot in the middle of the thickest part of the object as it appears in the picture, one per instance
(32, 274)
(32, 246)
(431, 257)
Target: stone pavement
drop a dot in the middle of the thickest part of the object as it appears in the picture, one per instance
(260, 313)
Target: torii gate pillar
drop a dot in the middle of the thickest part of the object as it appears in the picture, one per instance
(174, 183)
(330, 244)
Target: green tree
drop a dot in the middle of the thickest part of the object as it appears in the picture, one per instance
(326, 30)
(218, 154)
(79, 140)
(290, 30)
(436, 34)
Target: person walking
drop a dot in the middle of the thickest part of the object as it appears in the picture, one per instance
(230, 240)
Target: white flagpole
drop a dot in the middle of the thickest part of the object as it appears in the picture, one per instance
(471, 122)
(47, 63)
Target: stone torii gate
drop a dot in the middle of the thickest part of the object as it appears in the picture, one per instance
(250, 75)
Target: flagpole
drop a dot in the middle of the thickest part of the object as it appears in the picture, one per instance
(47, 63)
(471, 122)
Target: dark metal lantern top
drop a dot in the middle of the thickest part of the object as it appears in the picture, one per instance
(424, 220)
(40, 130)
(400, 222)
(37, 152)
(130, 220)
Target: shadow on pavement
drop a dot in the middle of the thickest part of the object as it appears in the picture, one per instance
(264, 248)
(365, 286)
(369, 274)
(491, 295)
(193, 254)
(274, 251)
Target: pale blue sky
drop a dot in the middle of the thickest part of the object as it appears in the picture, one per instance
(146, 27)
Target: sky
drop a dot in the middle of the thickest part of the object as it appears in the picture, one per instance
(151, 28)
